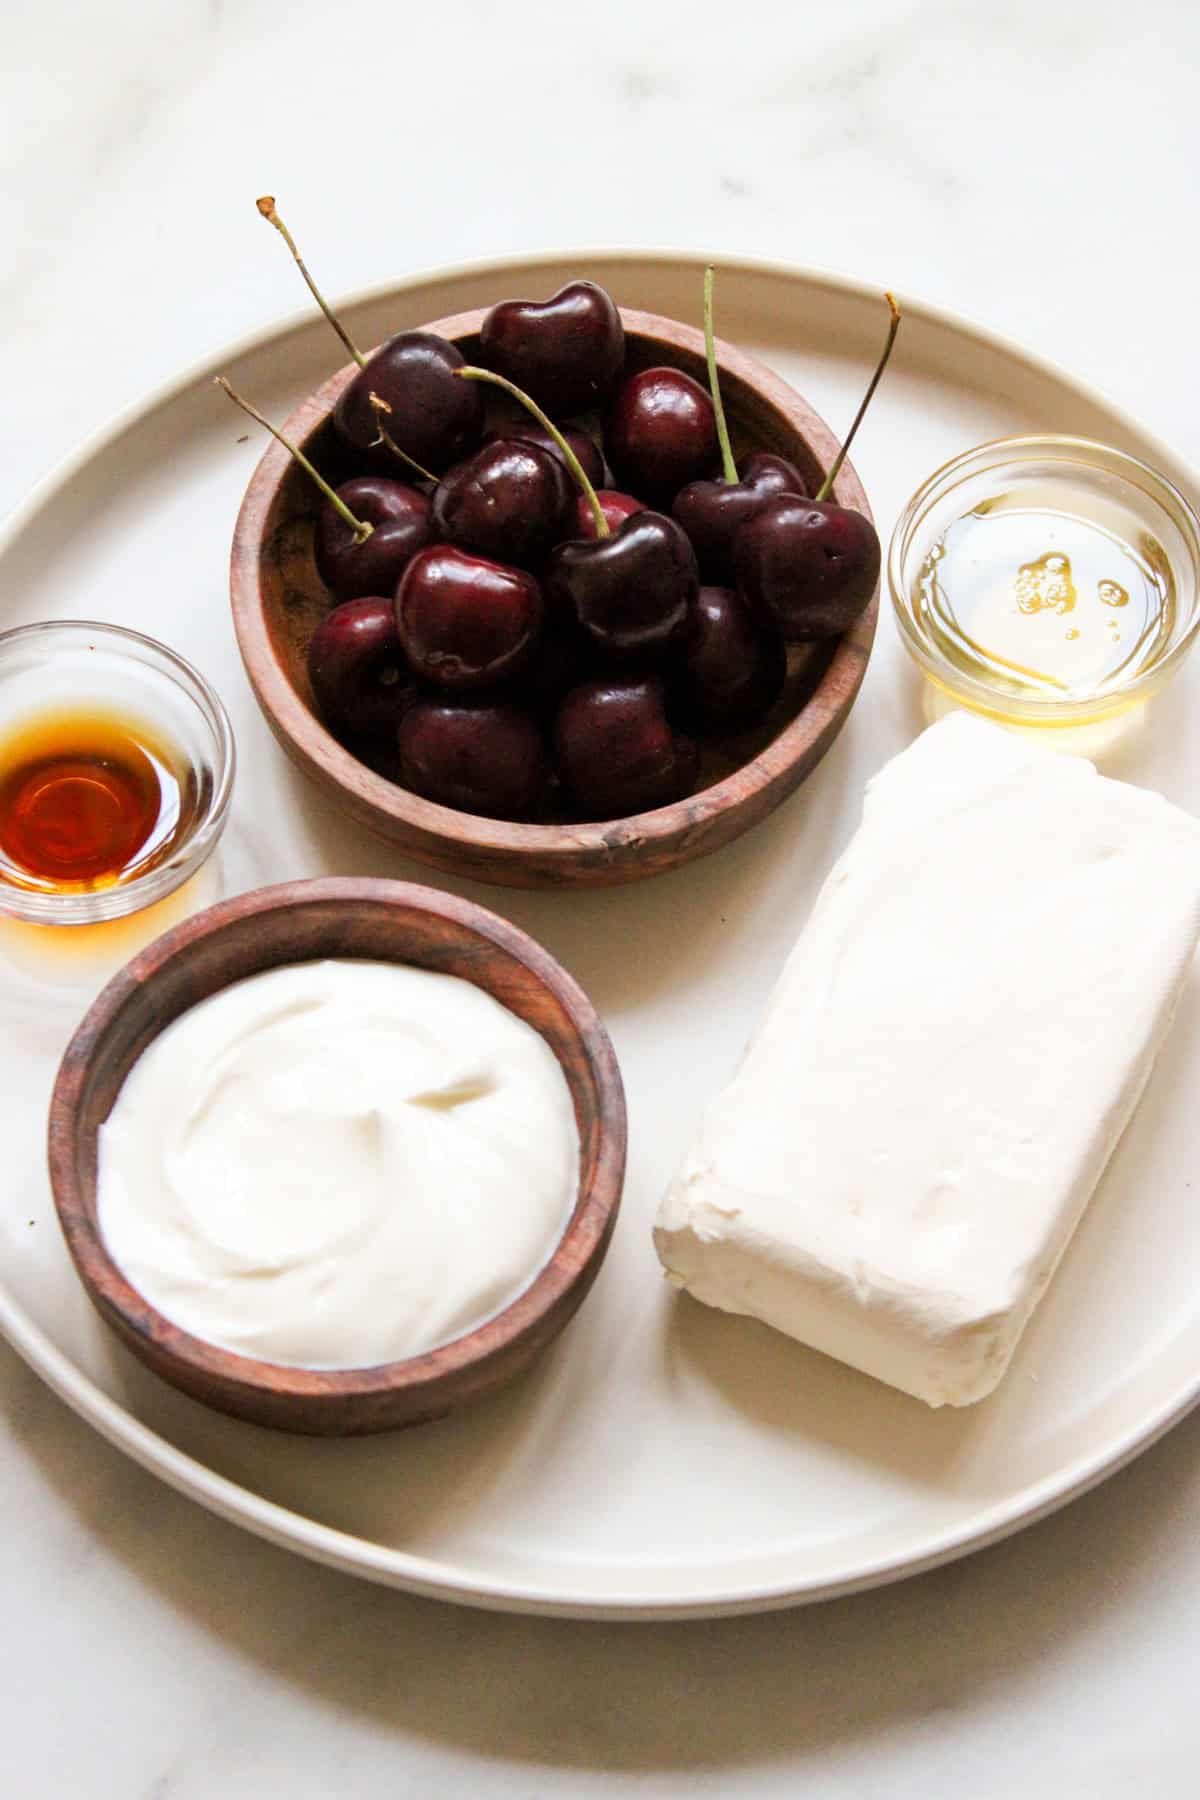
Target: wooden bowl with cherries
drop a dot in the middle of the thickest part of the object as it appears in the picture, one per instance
(297, 925)
(546, 663)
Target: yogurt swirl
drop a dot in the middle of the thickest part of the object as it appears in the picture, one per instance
(338, 1164)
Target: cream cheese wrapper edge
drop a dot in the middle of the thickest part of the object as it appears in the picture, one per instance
(956, 1042)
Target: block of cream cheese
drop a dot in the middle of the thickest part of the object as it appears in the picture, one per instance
(954, 1047)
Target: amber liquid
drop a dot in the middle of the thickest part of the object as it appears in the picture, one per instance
(88, 798)
(1043, 602)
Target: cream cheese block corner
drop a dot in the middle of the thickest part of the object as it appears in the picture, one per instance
(952, 1051)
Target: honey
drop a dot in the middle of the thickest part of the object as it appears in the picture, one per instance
(89, 797)
(1041, 601)
(1048, 582)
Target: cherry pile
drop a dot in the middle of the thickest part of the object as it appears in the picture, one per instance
(528, 624)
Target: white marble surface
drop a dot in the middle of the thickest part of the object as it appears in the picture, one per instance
(1032, 165)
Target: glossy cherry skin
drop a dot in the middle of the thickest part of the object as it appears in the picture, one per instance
(565, 352)
(586, 449)
(732, 666)
(399, 515)
(629, 593)
(511, 501)
(357, 669)
(660, 433)
(465, 622)
(813, 564)
(615, 506)
(711, 511)
(436, 417)
(475, 758)
(769, 473)
(616, 751)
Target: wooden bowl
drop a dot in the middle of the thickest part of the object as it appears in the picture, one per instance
(302, 921)
(278, 600)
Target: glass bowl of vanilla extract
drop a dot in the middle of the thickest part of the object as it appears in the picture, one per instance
(1047, 580)
(116, 770)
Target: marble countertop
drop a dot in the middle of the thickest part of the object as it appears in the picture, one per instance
(1031, 165)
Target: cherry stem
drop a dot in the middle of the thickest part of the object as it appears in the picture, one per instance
(728, 466)
(361, 529)
(569, 457)
(827, 485)
(266, 206)
(385, 437)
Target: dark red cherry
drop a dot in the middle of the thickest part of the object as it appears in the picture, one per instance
(732, 666)
(436, 418)
(711, 511)
(616, 751)
(357, 669)
(660, 433)
(629, 593)
(813, 564)
(510, 501)
(565, 352)
(464, 621)
(768, 473)
(560, 662)
(582, 443)
(476, 758)
(400, 517)
(616, 508)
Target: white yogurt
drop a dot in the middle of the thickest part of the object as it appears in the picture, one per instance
(338, 1164)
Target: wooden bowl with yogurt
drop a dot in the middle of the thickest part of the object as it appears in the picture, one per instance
(278, 601)
(303, 923)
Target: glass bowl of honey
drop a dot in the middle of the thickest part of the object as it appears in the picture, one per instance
(116, 769)
(1047, 580)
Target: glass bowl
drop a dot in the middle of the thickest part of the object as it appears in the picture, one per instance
(1079, 491)
(65, 667)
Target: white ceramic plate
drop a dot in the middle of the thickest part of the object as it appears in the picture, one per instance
(664, 1460)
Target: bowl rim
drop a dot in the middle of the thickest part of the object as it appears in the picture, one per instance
(1072, 451)
(302, 731)
(89, 906)
(585, 1235)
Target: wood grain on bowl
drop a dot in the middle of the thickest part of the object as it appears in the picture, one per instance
(278, 600)
(305, 921)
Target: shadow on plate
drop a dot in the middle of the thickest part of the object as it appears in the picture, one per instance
(625, 945)
(782, 1387)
